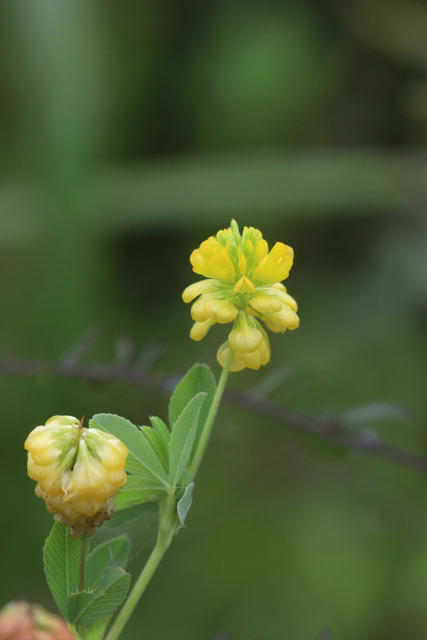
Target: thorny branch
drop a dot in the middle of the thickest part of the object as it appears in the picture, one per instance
(333, 430)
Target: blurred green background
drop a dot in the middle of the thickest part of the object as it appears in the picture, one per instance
(131, 131)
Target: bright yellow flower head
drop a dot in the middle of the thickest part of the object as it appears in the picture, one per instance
(243, 285)
(78, 472)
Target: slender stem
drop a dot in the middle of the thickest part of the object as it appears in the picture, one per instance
(204, 438)
(167, 515)
(167, 524)
(82, 557)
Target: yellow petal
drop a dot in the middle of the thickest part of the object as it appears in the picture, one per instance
(244, 338)
(276, 265)
(260, 251)
(116, 479)
(221, 267)
(225, 311)
(200, 257)
(209, 248)
(289, 317)
(244, 285)
(264, 271)
(46, 475)
(261, 356)
(195, 289)
(38, 438)
(46, 455)
(276, 327)
(60, 421)
(283, 258)
(264, 303)
(203, 308)
(280, 286)
(285, 319)
(281, 251)
(111, 451)
(200, 329)
(68, 491)
(210, 307)
(85, 505)
(89, 475)
(242, 264)
(285, 298)
(197, 311)
(222, 355)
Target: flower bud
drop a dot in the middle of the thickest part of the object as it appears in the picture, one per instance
(78, 472)
(24, 621)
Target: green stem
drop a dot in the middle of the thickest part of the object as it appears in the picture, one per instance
(167, 525)
(82, 557)
(204, 438)
(168, 519)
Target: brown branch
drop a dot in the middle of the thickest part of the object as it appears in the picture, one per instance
(335, 431)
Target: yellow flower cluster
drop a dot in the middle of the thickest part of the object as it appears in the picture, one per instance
(78, 472)
(243, 286)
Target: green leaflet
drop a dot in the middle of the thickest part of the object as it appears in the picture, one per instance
(87, 606)
(115, 552)
(160, 428)
(61, 558)
(150, 468)
(160, 447)
(134, 492)
(131, 514)
(184, 505)
(182, 437)
(198, 378)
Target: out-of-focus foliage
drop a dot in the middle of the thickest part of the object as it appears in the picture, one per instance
(132, 131)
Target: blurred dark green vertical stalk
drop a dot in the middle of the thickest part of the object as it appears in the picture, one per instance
(63, 73)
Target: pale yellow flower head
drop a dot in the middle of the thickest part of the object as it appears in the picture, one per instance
(78, 472)
(243, 286)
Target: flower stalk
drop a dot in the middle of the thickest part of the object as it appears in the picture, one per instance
(168, 521)
(82, 559)
(207, 429)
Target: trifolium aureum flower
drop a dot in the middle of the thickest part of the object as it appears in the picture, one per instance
(244, 286)
(78, 472)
